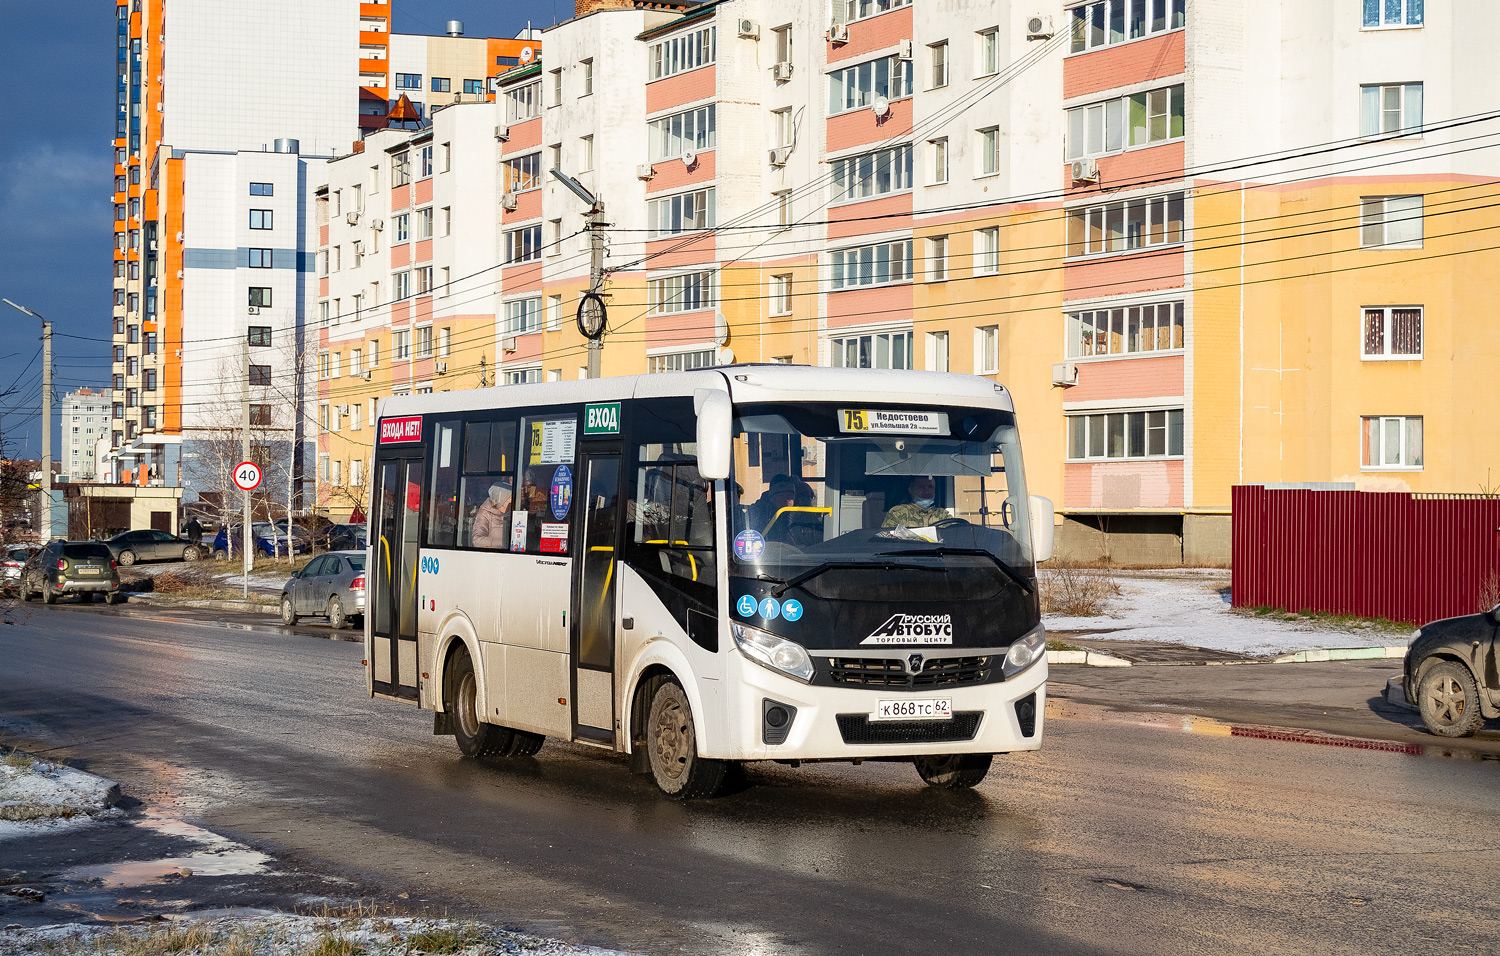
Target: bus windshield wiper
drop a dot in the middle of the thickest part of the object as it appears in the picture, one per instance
(813, 572)
(978, 552)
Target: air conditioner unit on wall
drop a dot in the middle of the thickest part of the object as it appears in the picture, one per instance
(749, 29)
(838, 33)
(377, 224)
(508, 344)
(903, 52)
(343, 409)
(645, 171)
(1039, 28)
(1065, 374)
(1084, 171)
(502, 133)
(779, 155)
(440, 367)
(253, 310)
(508, 201)
(781, 72)
(352, 218)
(366, 375)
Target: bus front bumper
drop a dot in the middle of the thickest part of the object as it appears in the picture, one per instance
(841, 723)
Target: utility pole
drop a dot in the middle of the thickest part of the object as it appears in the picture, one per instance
(591, 311)
(247, 555)
(46, 462)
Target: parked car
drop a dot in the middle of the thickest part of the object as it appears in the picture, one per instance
(265, 538)
(313, 527)
(63, 567)
(346, 537)
(12, 559)
(332, 585)
(151, 545)
(1450, 673)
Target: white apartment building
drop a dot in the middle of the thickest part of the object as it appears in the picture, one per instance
(85, 419)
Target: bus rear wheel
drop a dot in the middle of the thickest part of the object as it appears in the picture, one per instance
(953, 771)
(475, 738)
(672, 746)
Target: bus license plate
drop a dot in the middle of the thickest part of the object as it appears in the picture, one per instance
(913, 710)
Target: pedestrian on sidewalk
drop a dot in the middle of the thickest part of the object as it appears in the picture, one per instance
(194, 531)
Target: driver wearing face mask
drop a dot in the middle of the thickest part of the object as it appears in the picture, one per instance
(920, 510)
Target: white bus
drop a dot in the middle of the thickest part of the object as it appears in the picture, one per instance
(756, 562)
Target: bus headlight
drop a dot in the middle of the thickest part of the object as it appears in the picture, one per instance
(777, 653)
(1025, 652)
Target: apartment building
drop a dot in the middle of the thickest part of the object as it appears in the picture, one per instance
(85, 420)
(1203, 243)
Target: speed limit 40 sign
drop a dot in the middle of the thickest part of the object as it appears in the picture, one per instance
(247, 476)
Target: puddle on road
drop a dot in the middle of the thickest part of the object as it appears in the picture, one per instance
(219, 856)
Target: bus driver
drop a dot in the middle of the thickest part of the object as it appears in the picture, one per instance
(920, 509)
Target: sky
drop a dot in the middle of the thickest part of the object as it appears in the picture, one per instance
(56, 148)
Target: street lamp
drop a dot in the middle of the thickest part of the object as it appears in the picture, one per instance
(46, 498)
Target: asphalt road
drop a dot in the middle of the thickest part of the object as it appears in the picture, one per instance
(1115, 838)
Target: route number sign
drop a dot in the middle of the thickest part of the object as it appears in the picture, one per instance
(247, 476)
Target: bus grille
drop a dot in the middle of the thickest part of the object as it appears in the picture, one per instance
(891, 672)
(859, 729)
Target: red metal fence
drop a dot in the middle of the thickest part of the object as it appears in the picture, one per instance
(1406, 557)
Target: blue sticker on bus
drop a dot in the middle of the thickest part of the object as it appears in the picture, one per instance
(745, 606)
(792, 610)
(749, 545)
(562, 492)
(770, 608)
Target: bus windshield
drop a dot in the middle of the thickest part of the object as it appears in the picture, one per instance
(826, 487)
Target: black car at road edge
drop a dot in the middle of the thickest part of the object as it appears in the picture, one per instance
(1452, 673)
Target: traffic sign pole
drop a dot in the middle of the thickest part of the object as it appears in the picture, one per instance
(246, 560)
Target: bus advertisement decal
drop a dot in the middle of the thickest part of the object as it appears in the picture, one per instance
(554, 538)
(913, 629)
(518, 531)
(552, 441)
(749, 545)
(562, 493)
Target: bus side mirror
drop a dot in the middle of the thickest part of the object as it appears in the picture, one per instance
(715, 419)
(1042, 529)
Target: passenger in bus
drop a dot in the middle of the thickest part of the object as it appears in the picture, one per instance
(919, 510)
(490, 520)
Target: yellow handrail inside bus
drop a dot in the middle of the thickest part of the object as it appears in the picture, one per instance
(805, 509)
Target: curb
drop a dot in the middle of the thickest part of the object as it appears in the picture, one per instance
(1088, 658)
(1342, 654)
(1092, 658)
(1395, 693)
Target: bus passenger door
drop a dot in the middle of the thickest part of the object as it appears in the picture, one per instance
(592, 642)
(393, 625)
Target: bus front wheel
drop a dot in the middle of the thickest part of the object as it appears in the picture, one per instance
(475, 738)
(672, 745)
(953, 771)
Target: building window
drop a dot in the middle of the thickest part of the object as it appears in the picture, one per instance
(150, 343)
(423, 275)
(872, 265)
(261, 218)
(554, 313)
(937, 258)
(523, 245)
(323, 459)
(149, 380)
(872, 174)
(424, 223)
(781, 294)
(119, 412)
(989, 151)
(938, 53)
(783, 127)
(688, 292)
(1392, 13)
(783, 38)
(260, 258)
(555, 88)
(354, 414)
(937, 351)
(989, 52)
(687, 132)
(523, 102)
(1389, 442)
(1393, 221)
(473, 87)
(424, 162)
(1140, 119)
(1121, 435)
(424, 341)
(523, 376)
(408, 81)
(684, 212)
(876, 350)
(119, 353)
(1393, 332)
(523, 315)
(1154, 327)
(400, 345)
(987, 251)
(444, 341)
(1106, 22)
(401, 285)
(260, 414)
(680, 361)
(262, 189)
(686, 51)
(554, 237)
(523, 172)
(586, 77)
(846, 11)
(401, 226)
(133, 335)
(447, 221)
(1390, 109)
(783, 199)
(132, 397)
(585, 153)
(987, 350)
(260, 296)
(149, 421)
(857, 86)
(1126, 226)
(400, 168)
(355, 357)
(442, 84)
(374, 351)
(119, 381)
(938, 150)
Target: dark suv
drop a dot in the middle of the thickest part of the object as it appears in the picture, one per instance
(62, 567)
(1451, 673)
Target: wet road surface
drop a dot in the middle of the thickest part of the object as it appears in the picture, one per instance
(1113, 839)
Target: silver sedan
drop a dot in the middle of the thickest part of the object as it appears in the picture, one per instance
(332, 586)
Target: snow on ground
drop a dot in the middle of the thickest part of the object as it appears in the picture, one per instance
(1190, 606)
(37, 796)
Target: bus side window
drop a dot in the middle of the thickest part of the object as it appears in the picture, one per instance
(488, 485)
(443, 515)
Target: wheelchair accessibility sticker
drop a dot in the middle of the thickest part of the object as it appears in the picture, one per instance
(745, 606)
